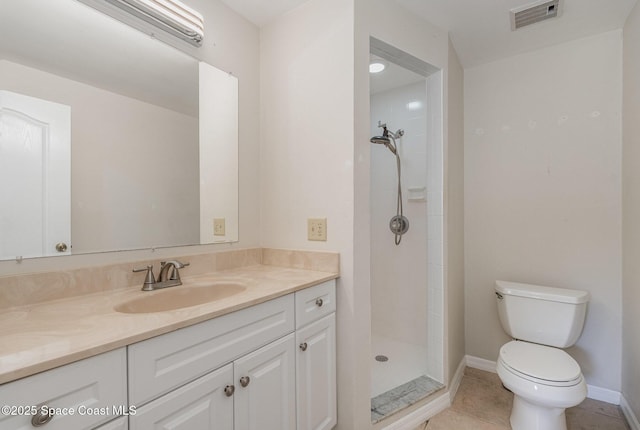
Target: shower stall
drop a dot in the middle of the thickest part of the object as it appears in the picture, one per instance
(406, 230)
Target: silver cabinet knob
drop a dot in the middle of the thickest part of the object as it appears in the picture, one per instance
(61, 247)
(244, 381)
(42, 417)
(319, 303)
(303, 346)
(229, 390)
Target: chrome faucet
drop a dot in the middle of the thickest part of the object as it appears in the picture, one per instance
(168, 276)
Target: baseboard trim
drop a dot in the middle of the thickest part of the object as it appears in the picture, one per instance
(457, 379)
(631, 417)
(603, 394)
(593, 392)
(481, 363)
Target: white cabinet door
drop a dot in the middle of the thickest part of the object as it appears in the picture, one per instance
(121, 423)
(202, 404)
(265, 388)
(316, 375)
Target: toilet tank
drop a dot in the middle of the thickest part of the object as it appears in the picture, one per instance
(545, 315)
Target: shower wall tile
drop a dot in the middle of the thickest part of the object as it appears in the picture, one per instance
(434, 203)
(434, 227)
(399, 273)
(434, 250)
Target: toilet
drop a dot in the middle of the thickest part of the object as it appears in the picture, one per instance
(544, 379)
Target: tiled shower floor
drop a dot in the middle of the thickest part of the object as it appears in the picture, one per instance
(400, 381)
(407, 361)
(400, 397)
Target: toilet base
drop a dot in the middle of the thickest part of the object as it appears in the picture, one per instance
(529, 416)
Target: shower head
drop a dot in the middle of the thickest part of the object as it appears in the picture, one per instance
(380, 139)
(386, 141)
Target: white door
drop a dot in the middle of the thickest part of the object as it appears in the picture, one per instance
(316, 375)
(35, 176)
(204, 404)
(265, 388)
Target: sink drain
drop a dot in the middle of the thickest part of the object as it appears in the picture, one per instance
(382, 358)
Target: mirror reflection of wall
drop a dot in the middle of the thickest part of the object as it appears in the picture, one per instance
(134, 126)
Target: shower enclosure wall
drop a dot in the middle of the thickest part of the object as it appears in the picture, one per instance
(406, 280)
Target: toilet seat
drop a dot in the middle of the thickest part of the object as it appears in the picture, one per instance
(540, 364)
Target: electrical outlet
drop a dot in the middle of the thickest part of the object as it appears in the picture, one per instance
(218, 227)
(317, 229)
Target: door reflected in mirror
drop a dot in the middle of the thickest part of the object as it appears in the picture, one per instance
(153, 134)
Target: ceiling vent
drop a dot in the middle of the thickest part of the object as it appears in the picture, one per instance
(534, 12)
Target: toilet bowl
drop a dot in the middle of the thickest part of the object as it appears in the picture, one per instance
(544, 379)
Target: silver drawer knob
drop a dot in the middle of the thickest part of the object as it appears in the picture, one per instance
(61, 247)
(319, 303)
(303, 346)
(41, 418)
(244, 381)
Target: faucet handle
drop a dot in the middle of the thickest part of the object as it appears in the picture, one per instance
(149, 280)
(177, 264)
(175, 275)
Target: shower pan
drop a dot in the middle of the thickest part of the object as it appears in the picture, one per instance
(406, 264)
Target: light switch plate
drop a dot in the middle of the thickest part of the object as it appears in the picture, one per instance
(317, 229)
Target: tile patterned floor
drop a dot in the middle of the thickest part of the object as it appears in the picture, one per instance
(481, 403)
(400, 397)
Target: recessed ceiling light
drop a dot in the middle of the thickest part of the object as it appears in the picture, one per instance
(376, 66)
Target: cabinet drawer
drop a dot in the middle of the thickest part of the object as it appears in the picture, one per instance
(315, 302)
(96, 382)
(163, 363)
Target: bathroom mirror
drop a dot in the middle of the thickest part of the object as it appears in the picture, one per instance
(151, 150)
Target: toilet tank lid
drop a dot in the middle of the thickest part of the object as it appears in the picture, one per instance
(562, 295)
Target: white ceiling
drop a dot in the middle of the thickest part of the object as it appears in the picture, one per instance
(480, 29)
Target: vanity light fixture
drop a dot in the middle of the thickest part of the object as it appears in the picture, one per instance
(172, 16)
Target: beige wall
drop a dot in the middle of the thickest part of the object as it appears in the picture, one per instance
(543, 190)
(631, 213)
(454, 220)
(315, 164)
(231, 44)
(306, 170)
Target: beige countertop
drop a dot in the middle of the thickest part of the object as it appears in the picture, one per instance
(39, 337)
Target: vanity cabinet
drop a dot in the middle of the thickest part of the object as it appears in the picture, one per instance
(267, 367)
(279, 369)
(83, 394)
